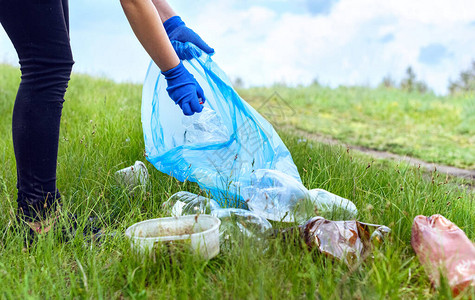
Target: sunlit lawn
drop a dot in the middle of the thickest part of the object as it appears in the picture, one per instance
(101, 133)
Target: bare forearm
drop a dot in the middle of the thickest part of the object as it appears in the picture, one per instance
(164, 9)
(145, 22)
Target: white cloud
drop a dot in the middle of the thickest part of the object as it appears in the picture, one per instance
(265, 41)
(343, 47)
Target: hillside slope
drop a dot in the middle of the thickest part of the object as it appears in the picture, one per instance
(434, 129)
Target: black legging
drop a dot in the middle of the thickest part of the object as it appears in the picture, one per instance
(39, 30)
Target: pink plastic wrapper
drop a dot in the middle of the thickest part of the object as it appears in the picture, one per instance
(348, 241)
(443, 247)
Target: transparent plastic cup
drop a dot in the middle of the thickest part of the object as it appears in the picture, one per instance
(133, 176)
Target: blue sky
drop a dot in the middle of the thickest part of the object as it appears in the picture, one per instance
(338, 42)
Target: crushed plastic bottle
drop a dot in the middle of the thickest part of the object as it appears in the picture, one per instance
(186, 203)
(205, 126)
(325, 204)
(248, 223)
(442, 246)
(274, 195)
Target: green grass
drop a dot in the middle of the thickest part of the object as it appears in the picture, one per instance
(434, 129)
(101, 133)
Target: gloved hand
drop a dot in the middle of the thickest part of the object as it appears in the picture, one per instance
(184, 89)
(177, 31)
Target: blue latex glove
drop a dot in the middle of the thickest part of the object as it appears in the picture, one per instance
(184, 90)
(177, 31)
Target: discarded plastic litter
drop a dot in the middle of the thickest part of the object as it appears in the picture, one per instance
(348, 241)
(205, 126)
(229, 149)
(185, 203)
(322, 203)
(274, 195)
(442, 246)
(133, 176)
(247, 222)
(226, 149)
(201, 232)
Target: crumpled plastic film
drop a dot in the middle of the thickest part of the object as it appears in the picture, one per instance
(347, 241)
(442, 246)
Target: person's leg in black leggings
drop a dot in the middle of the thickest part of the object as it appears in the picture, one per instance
(39, 31)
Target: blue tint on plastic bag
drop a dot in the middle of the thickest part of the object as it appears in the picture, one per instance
(229, 149)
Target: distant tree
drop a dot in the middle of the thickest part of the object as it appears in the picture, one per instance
(409, 81)
(388, 82)
(315, 82)
(411, 84)
(422, 87)
(465, 83)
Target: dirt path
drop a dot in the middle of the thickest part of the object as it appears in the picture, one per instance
(451, 171)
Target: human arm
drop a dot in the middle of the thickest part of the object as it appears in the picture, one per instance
(145, 22)
(164, 9)
(182, 88)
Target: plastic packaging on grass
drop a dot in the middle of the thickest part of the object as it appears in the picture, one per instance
(186, 203)
(133, 176)
(247, 222)
(229, 149)
(443, 247)
(347, 241)
(274, 195)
